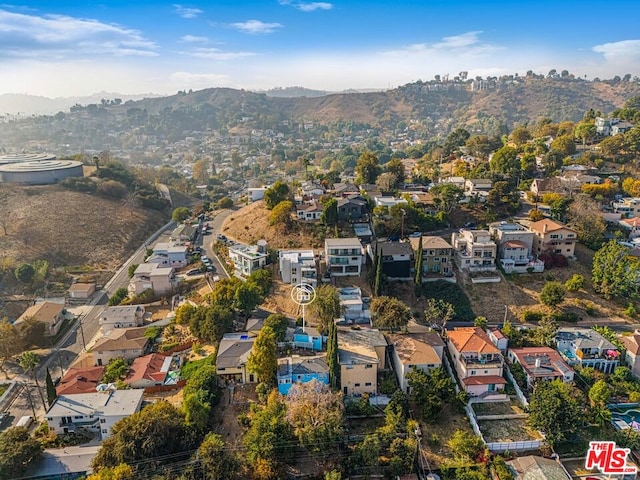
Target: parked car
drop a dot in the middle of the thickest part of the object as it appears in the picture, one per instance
(192, 272)
(221, 237)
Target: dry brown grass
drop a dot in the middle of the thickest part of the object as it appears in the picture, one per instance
(71, 228)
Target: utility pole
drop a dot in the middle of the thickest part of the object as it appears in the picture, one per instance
(84, 344)
(506, 310)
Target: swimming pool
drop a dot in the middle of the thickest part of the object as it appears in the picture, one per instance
(627, 416)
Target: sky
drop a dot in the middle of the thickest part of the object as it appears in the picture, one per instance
(54, 48)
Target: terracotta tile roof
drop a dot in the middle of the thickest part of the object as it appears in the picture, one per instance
(471, 339)
(550, 224)
(551, 362)
(632, 222)
(631, 343)
(80, 380)
(148, 367)
(484, 380)
(515, 244)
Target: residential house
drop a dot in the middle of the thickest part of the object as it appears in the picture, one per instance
(80, 380)
(127, 343)
(533, 467)
(49, 313)
(255, 194)
(297, 369)
(361, 353)
(632, 225)
(298, 266)
(310, 188)
(515, 247)
(603, 125)
(437, 256)
(363, 232)
(184, 233)
(631, 345)
(554, 237)
(153, 370)
(397, 259)
(247, 259)
(475, 251)
(352, 208)
(81, 292)
(94, 412)
(498, 339)
(309, 212)
(176, 255)
(121, 316)
(587, 348)
(541, 364)
(308, 337)
(621, 127)
(477, 361)
(422, 351)
(382, 201)
(355, 308)
(343, 256)
(344, 189)
(477, 186)
(159, 278)
(456, 181)
(232, 355)
(628, 207)
(540, 186)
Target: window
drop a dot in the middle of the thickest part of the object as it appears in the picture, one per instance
(102, 420)
(368, 384)
(368, 365)
(78, 417)
(104, 430)
(437, 259)
(349, 367)
(356, 385)
(486, 371)
(473, 372)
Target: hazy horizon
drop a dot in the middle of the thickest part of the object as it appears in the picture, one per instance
(60, 49)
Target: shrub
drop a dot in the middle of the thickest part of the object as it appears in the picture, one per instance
(112, 189)
(529, 316)
(552, 294)
(631, 311)
(575, 283)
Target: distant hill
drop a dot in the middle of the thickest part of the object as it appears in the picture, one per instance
(292, 92)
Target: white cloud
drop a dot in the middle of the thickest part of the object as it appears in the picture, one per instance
(186, 12)
(256, 27)
(616, 51)
(193, 39)
(466, 44)
(217, 54)
(308, 6)
(61, 36)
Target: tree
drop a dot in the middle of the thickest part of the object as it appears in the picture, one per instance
(204, 383)
(520, 135)
(333, 363)
(247, 297)
(544, 335)
(455, 139)
(131, 270)
(564, 144)
(119, 472)
(115, 370)
(197, 412)
(585, 131)
(218, 463)
(481, 322)
(155, 431)
(18, 449)
(278, 192)
(279, 323)
(396, 167)
(438, 313)
(586, 218)
(505, 161)
(446, 196)
(387, 181)
(211, 323)
(263, 359)
(262, 279)
(535, 215)
(555, 410)
(11, 343)
(575, 283)
(180, 214)
(25, 272)
(200, 173)
(599, 393)
(430, 389)
(281, 215)
(224, 202)
(377, 286)
(465, 445)
(29, 362)
(614, 273)
(51, 389)
(315, 414)
(419, 264)
(390, 313)
(330, 212)
(552, 293)
(367, 168)
(326, 307)
(118, 296)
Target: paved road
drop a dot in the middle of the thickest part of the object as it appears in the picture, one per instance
(207, 241)
(84, 329)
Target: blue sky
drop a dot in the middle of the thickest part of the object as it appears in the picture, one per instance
(69, 48)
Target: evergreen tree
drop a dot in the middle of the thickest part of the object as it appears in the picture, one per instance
(419, 261)
(51, 389)
(377, 289)
(332, 357)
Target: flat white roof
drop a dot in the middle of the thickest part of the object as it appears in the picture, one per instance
(109, 403)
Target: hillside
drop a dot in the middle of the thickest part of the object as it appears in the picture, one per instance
(71, 228)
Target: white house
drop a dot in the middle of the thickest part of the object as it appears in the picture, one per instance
(176, 255)
(354, 307)
(95, 412)
(255, 194)
(344, 256)
(157, 277)
(298, 266)
(474, 250)
(122, 316)
(415, 351)
(248, 258)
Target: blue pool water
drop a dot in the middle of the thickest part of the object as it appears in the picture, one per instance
(627, 416)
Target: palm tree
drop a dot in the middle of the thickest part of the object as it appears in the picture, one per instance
(29, 361)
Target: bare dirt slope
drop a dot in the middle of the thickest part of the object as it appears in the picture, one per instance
(71, 228)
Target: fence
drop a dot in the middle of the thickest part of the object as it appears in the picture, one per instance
(529, 445)
(165, 388)
(179, 348)
(519, 394)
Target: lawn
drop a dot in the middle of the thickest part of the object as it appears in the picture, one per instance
(497, 408)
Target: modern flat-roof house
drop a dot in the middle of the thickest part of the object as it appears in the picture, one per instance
(474, 250)
(397, 259)
(121, 316)
(554, 237)
(587, 348)
(176, 255)
(437, 256)
(361, 353)
(159, 278)
(95, 412)
(541, 364)
(248, 258)
(232, 355)
(343, 256)
(628, 207)
(255, 194)
(631, 344)
(415, 351)
(477, 361)
(297, 369)
(49, 313)
(298, 266)
(355, 309)
(127, 343)
(308, 337)
(515, 247)
(80, 380)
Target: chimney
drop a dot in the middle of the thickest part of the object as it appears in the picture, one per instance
(544, 227)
